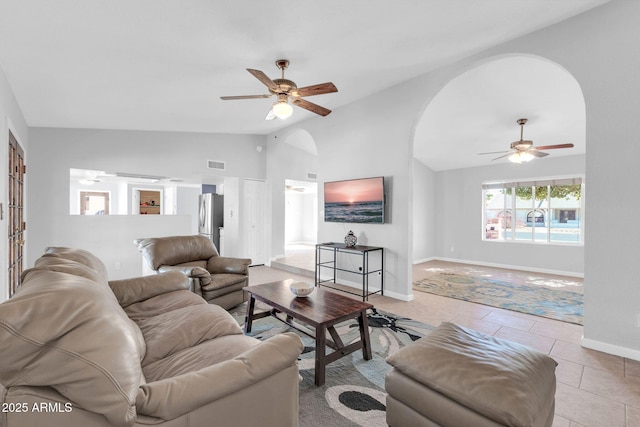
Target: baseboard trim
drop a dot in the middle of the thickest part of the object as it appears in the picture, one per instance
(420, 261)
(401, 297)
(616, 350)
(508, 266)
(272, 259)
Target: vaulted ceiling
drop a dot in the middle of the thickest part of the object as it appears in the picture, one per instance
(163, 64)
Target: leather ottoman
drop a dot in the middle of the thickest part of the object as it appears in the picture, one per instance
(456, 377)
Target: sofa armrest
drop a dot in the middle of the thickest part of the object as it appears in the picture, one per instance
(172, 397)
(220, 264)
(189, 271)
(129, 291)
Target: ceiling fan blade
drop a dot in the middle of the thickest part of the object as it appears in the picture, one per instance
(227, 98)
(503, 156)
(263, 78)
(494, 152)
(318, 89)
(270, 115)
(551, 147)
(315, 108)
(537, 153)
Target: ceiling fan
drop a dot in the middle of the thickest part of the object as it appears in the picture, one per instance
(523, 150)
(285, 89)
(293, 188)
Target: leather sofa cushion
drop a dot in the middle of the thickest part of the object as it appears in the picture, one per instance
(168, 322)
(504, 381)
(130, 291)
(53, 333)
(175, 249)
(55, 263)
(219, 265)
(200, 356)
(80, 256)
(219, 281)
(176, 330)
(175, 396)
(161, 304)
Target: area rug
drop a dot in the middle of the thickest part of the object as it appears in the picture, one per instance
(353, 394)
(551, 297)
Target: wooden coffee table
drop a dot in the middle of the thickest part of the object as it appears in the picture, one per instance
(321, 310)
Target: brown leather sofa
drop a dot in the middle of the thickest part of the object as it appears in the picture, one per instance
(456, 377)
(77, 350)
(217, 279)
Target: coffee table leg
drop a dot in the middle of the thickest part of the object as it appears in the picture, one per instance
(248, 318)
(363, 322)
(321, 337)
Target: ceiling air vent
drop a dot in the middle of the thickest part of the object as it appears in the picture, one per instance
(312, 175)
(216, 164)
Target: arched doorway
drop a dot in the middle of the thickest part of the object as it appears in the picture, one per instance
(475, 112)
(293, 173)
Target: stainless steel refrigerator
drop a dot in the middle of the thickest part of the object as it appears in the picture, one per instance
(211, 217)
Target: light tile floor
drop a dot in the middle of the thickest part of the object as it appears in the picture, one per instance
(594, 389)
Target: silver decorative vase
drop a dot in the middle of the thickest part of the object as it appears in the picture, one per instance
(350, 239)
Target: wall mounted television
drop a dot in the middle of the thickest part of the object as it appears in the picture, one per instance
(354, 201)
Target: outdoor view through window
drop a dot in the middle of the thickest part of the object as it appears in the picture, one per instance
(544, 210)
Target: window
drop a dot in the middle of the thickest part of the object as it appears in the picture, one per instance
(541, 210)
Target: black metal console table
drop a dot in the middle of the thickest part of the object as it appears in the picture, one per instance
(363, 271)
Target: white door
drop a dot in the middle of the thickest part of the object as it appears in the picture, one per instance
(254, 217)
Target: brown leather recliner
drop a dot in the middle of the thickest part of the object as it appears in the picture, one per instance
(217, 279)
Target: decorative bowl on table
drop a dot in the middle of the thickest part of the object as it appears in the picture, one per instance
(301, 289)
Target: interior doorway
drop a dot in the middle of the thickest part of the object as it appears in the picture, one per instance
(16, 222)
(301, 219)
(146, 201)
(94, 203)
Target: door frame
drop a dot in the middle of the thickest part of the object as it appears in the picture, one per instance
(16, 217)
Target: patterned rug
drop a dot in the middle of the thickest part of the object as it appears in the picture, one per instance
(522, 292)
(353, 394)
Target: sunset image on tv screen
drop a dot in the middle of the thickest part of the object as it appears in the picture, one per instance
(358, 200)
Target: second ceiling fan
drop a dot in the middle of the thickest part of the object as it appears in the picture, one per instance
(523, 150)
(285, 89)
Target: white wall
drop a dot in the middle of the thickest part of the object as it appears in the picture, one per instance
(300, 217)
(292, 217)
(425, 209)
(54, 151)
(187, 204)
(232, 247)
(598, 48)
(11, 119)
(459, 218)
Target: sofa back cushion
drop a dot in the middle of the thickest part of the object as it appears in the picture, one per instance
(85, 258)
(175, 249)
(68, 332)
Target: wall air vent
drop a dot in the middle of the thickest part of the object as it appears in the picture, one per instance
(216, 164)
(312, 175)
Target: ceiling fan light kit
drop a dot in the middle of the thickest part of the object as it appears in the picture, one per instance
(523, 150)
(285, 89)
(521, 157)
(282, 110)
